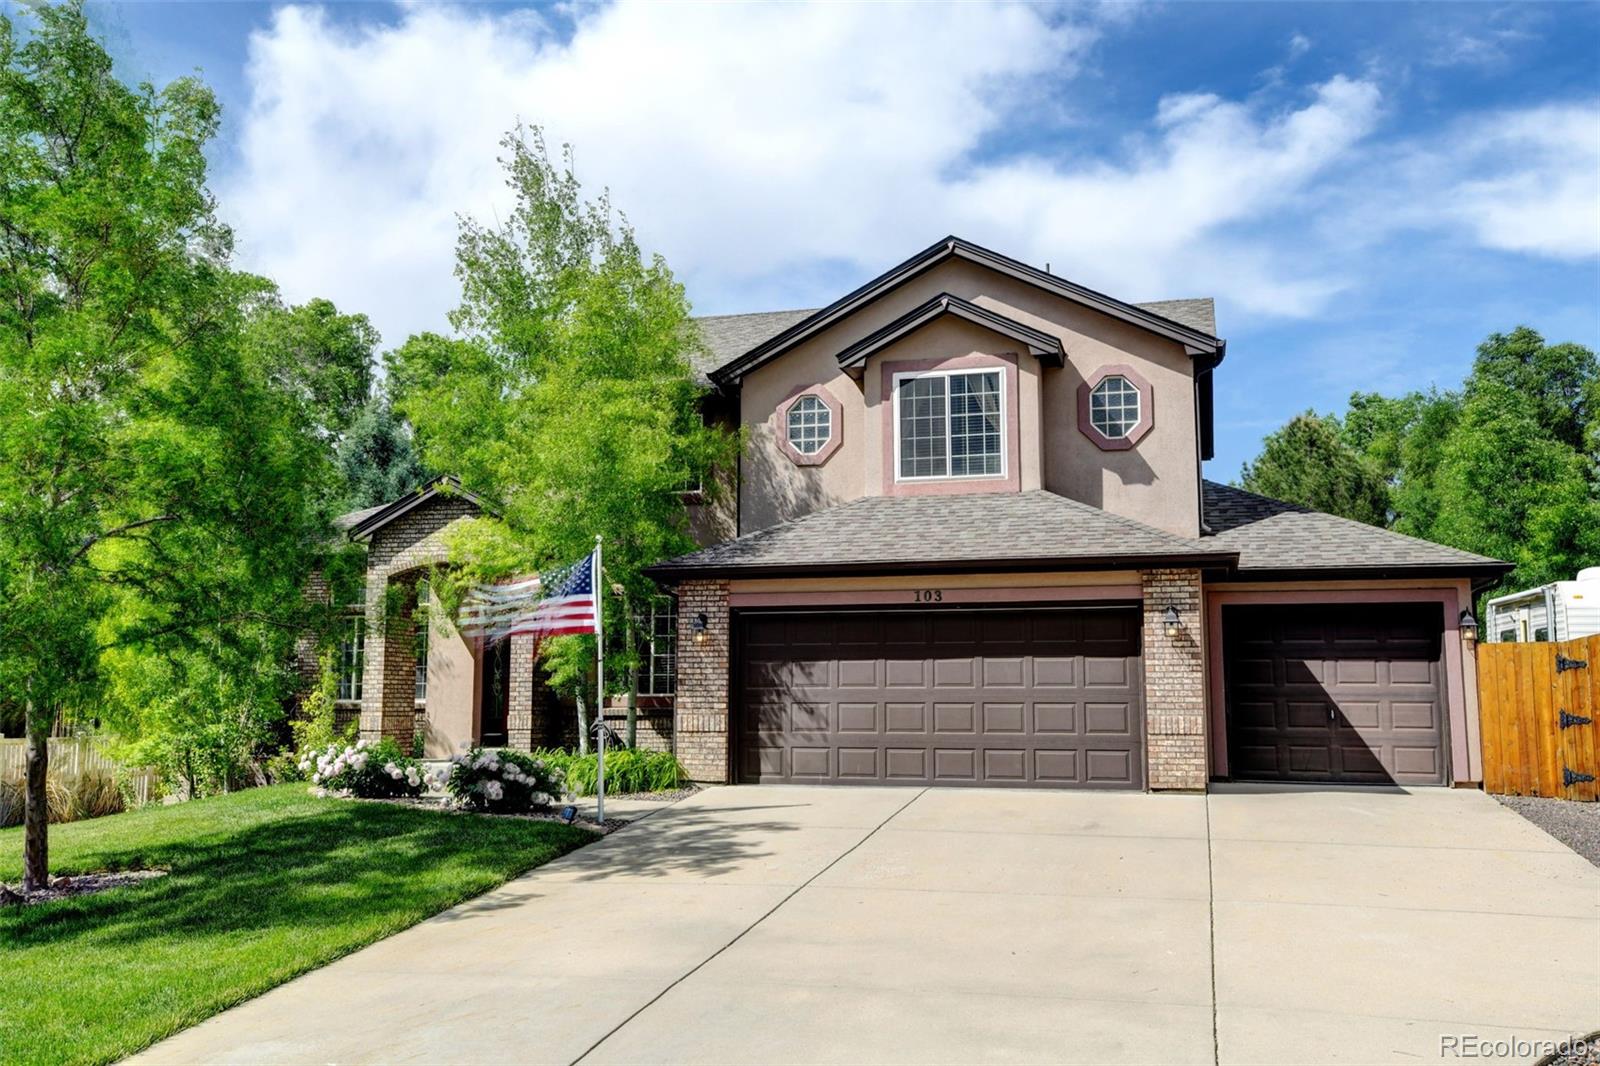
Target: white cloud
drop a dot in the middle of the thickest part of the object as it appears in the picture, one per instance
(1536, 181)
(753, 144)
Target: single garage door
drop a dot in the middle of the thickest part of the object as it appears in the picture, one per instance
(1344, 693)
(1039, 697)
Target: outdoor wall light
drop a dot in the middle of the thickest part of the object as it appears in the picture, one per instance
(700, 628)
(1469, 626)
(1173, 622)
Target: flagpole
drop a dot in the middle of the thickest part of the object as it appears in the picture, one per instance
(600, 690)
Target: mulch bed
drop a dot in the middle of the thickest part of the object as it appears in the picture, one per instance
(1577, 825)
(79, 885)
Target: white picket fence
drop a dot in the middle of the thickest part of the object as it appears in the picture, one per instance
(72, 758)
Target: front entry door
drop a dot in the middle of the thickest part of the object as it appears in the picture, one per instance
(494, 693)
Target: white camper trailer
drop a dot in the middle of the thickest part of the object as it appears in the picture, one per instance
(1561, 610)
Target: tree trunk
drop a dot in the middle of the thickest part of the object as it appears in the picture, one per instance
(36, 813)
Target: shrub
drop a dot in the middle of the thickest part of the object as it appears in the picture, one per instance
(627, 770)
(500, 781)
(365, 769)
(314, 728)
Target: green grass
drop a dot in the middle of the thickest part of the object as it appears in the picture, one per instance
(627, 770)
(264, 885)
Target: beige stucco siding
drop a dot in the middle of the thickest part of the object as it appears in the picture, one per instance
(1156, 481)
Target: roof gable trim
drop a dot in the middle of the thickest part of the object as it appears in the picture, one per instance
(443, 485)
(1046, 347)
(1194, 342)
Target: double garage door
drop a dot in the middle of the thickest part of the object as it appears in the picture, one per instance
(1040, 697)
(1343, 693)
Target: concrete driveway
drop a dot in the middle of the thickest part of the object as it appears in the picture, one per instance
(788, 924)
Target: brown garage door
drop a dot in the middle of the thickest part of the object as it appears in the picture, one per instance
(1340, 693)
(1033, 698)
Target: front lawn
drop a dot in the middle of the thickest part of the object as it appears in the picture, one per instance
(265, 885)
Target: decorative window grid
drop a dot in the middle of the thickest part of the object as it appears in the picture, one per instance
(810, 425)
(950, 425)
(1114, 407)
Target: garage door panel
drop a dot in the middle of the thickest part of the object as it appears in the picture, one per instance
(1055, 671)
(1005, 672)
(1375, 667)
(983, 697)
(953, 673)
(906, 717)
(1005, 765)
(1055, 718)
(954, 718)
(1003, 718)
(858, 717)
(955, 764)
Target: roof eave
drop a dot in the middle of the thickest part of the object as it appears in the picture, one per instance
(1040, 344)
(1194, 341)
(1036, 564)
(443, 485)
(1488, 570)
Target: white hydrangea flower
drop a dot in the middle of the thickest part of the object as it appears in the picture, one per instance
(494, 790)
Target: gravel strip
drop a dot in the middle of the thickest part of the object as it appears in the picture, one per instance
(1585, 1052)
(1577, 825)
(79, 885)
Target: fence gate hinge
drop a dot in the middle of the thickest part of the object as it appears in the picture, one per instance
(1563, 663)
(1572, 777)
(1574, 719)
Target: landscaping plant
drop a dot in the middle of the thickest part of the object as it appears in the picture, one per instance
(364, 769)
(501, 782)
(627, 770)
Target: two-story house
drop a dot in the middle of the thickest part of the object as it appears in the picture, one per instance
(971, 544)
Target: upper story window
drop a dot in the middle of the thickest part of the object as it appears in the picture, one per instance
(948, 424)
(810, 425)
(1114, 407)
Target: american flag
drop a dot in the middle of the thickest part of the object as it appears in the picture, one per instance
(549, 605)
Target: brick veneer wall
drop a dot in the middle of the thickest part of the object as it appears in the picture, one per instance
(519, 706)
(397, 554)
(1174, 681)
(700, 721)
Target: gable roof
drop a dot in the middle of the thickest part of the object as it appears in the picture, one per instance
(1044, 345)
(1196, 341)
(1284, 539)
(726, 337)
(1034, 530)
(362, 524)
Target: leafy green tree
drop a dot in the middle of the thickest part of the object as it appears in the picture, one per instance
(1508, 489)
(325, 358)
(378, 458)
(1557, 379)
(1309, 463)
(158, 486)
(568, 398)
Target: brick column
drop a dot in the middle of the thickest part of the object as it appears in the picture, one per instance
(388, 680)
(1174, 681)
(519, 715)
(701, 710)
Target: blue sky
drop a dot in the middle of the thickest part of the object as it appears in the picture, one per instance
(1366, 189)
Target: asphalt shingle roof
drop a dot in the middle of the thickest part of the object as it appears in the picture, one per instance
(1272, 535)
(727, 337)
(946, 532)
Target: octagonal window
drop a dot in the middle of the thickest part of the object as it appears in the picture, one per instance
(810, 425)
(1114, 407)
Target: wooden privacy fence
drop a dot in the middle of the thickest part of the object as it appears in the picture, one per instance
(1538, 705)
(72, 758)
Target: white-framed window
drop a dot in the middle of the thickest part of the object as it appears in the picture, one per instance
(352, 657)
(810, 425)
(419, 645)
(949, 424)
(661, 659)
(1114, 407)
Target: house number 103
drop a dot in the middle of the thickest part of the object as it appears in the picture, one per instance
(929, 595)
